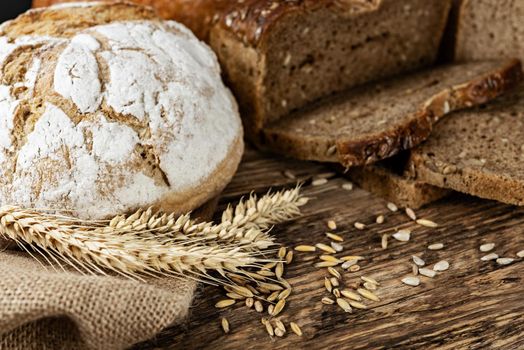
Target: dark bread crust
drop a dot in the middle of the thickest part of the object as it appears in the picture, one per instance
(361, 150)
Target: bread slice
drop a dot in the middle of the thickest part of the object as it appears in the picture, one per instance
(490, 29)
(377, 121)
(478, 152)
(386, 179)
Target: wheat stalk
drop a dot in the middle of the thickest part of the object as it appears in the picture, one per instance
(149, 243)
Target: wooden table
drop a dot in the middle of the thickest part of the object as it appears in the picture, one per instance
(473, 305)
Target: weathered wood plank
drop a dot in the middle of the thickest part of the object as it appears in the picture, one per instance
(473, 305)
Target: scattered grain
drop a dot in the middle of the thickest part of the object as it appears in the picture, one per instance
(279, 307)
(225, 303)
(250, 302)
(505, 261)
(441, 266)
(368, 294)
(384, 241)
(284, 294)
(269, 329)
(334, 272)
(418, 261)
(280, 325)
(337, 246)
(380, 219)
(411, 214)
(289, 257)
(326, 264)
(279, 270)
(370, 286)
(334, 282)
(348, 186)
(334, 237)
(295, 328)
(357, 305)
(520, 254)
(282, 253)
(490, 256)
(305, 248)
(273, 296)
(359, 226)
(346, 265)
(427, 223)
(319, 182)
(279, 333)
(354, 268)
(352, 257)
(487, 247)
(350, 295)
(436, 246)
(270, 309)
(225, 325)
(344, 305)
(332, 225)
(414, 269)
(402, 235)
(411, 281)
(327, 301)
(369, 280)
(289, 175)
(328, 285)
(330, 258)
(325, 248)
(392, 207)
(427, 272)
(258, 306)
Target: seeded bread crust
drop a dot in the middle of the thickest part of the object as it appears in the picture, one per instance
(326, 131)
(401, 190)
(479, 152)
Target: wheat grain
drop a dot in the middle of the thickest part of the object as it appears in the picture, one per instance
(359, 226)
(411, 214)
(325, 248)
(279, 270)
(280, 325)
(380, 219)
(392, 207)
(289, 257)
(330, 258)
(258, 306)
(344, 305)
(273, 296)
(326, 264)
(369, 280)
(250, 302)
(279, 333)
(336, 292)
(284, 294)
(295, 328)
(334, 282)
(384, 241)
(270, 309)
(327, 301)
(225, 303)
(334, 272)
(427, 223)
(269, 329)
(328, 285)
(357, 305)
(350, 295)
(334, 237)
(279, 307)
(235, 296)
(370, 286)
(305, 248)
(225, 325)
(352, 257)
(367, 294)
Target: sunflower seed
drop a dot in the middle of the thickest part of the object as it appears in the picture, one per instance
(354, 268)
(289, 257)
(334, 272)
(330, 258)
(367, 294)
(295, 328)
(359, 226)
(282, 253)
(436, 246)
(225, 325)
(284, 294)
(392, 207)
(348, 186)
(334, 237)
(490, 256)
(269, 329)
(441, 266)
(427, 272)
(487, 247)
(411, 281)
(280, 325)
(279, 307)
(418, 261)
(319, 182)
(326, 264)
(328, 285)
(350, 295)
(369, 280)
(521, 254)
(332, 225)
(305, 248)
(250, 302)
(258, 306)
(346, 265)
(505, 261)
(414, 269)
(380, 219)
(411, 214)
(427, 223)
(225, 303)
(334, 282)
(357, 305)
(402, 235)
(325, 248)
(327, 301)
(384, 241)
(337, 246)
(370, 286)
(279, 333)
(344, 305)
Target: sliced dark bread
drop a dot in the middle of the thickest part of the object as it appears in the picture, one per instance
(478, 152)
(387, 180)
(379, 120)
(488, 29)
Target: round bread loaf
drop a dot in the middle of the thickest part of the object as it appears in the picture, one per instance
(105, 108)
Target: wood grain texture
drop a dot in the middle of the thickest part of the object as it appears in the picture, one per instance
(473, 305)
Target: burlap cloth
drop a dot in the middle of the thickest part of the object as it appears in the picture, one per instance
(44, 309)
(41, 308)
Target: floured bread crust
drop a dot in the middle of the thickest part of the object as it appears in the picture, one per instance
(102, 116)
